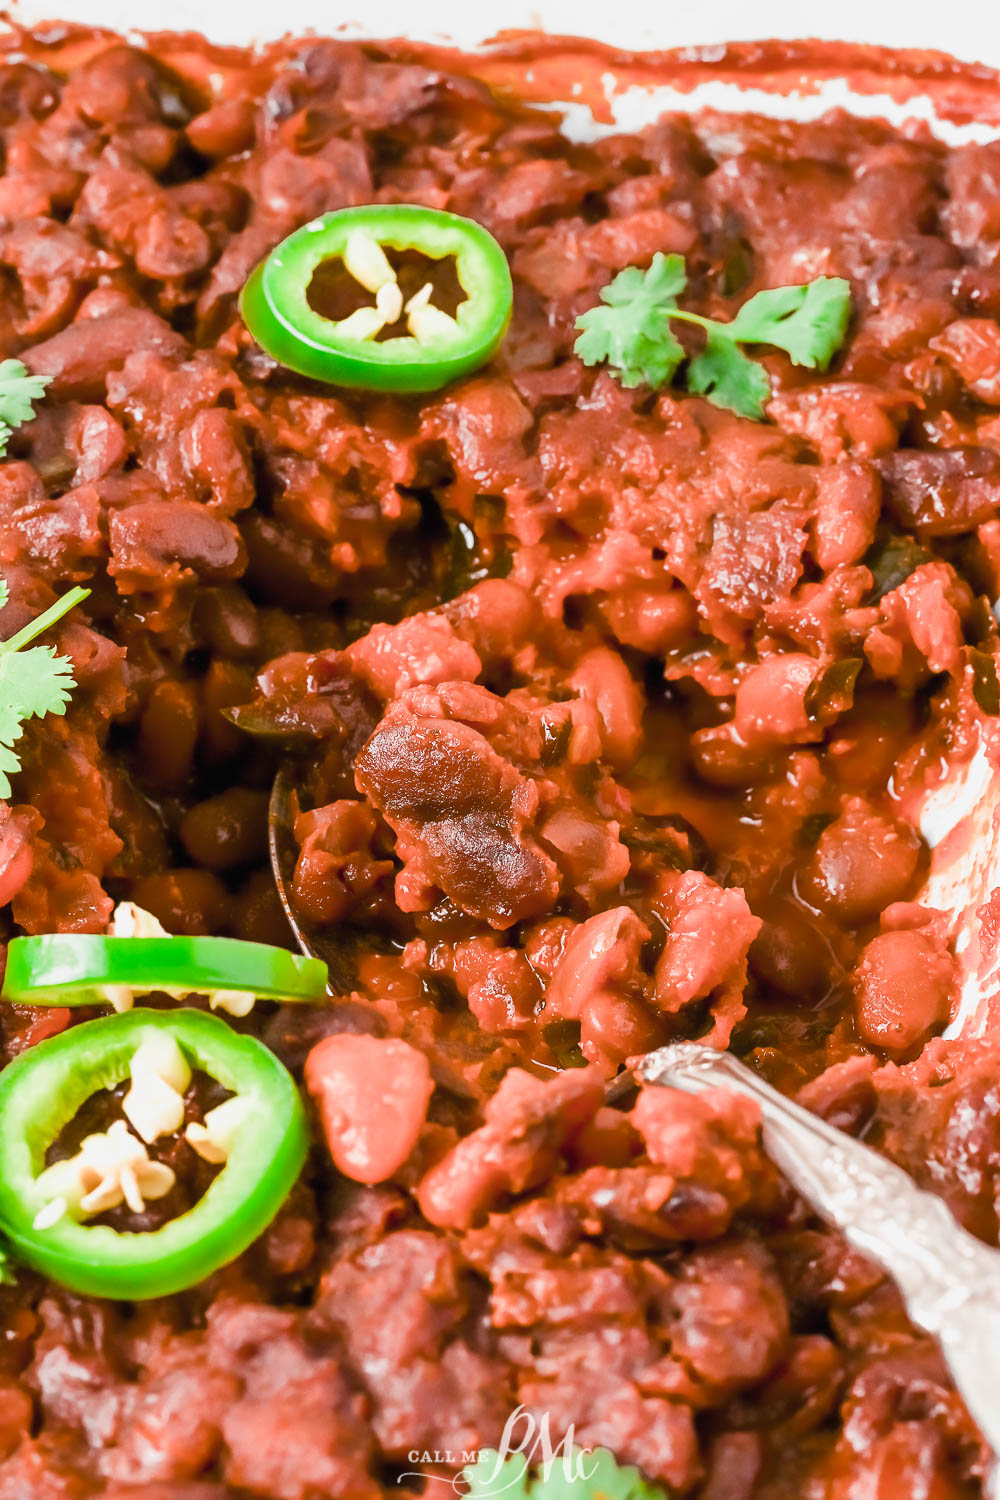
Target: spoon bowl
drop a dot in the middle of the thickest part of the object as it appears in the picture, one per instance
(331, 944)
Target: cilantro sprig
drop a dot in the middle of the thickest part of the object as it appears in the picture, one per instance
(18, 392)
(580, 1475)
(33, 681)
(631, 332)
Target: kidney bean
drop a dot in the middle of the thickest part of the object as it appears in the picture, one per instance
(223, 130)
(79, 358)
(942, 493)
(228, 620)
(156, 539)
(735, 1462)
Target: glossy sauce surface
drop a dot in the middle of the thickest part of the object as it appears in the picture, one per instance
(610, 711)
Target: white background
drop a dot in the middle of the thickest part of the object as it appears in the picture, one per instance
(967, 28)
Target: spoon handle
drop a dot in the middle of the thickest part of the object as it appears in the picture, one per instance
(949, 1280)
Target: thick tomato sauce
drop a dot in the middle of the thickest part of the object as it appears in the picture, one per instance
(608, 712)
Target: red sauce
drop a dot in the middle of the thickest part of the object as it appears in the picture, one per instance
(611, 712)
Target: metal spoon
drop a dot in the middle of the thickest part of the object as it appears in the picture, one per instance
(333, 945)
(459, 1046)
(949, 1281)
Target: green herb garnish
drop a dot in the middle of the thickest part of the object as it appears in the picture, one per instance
(18, 392)
(33, 682)
(575, 1475)
(631, 332)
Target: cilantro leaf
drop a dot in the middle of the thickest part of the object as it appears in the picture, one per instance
(18, 392)
(661, 283)
(808, 322)
(37, 681)
(724, 374)
(34, 682)
(579, 1475)
(631, 331)
(11, 729)
(638, 358)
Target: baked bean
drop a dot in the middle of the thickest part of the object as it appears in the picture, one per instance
(770, 701)
(190, 902)
(909, 1461)
(864, 749)
(225, 684)
(614, 1027)
(902, 989)
(137, 823)
(862, 862)
(789, 952)
(722, 758)
(168, 733)
(279, 634)
(608, 1140)
(848, 499)
(257, 914)
(603, 678)
(578, 674)
(226, 830)
(372, 1094)
(80, 357)
(651, 619)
